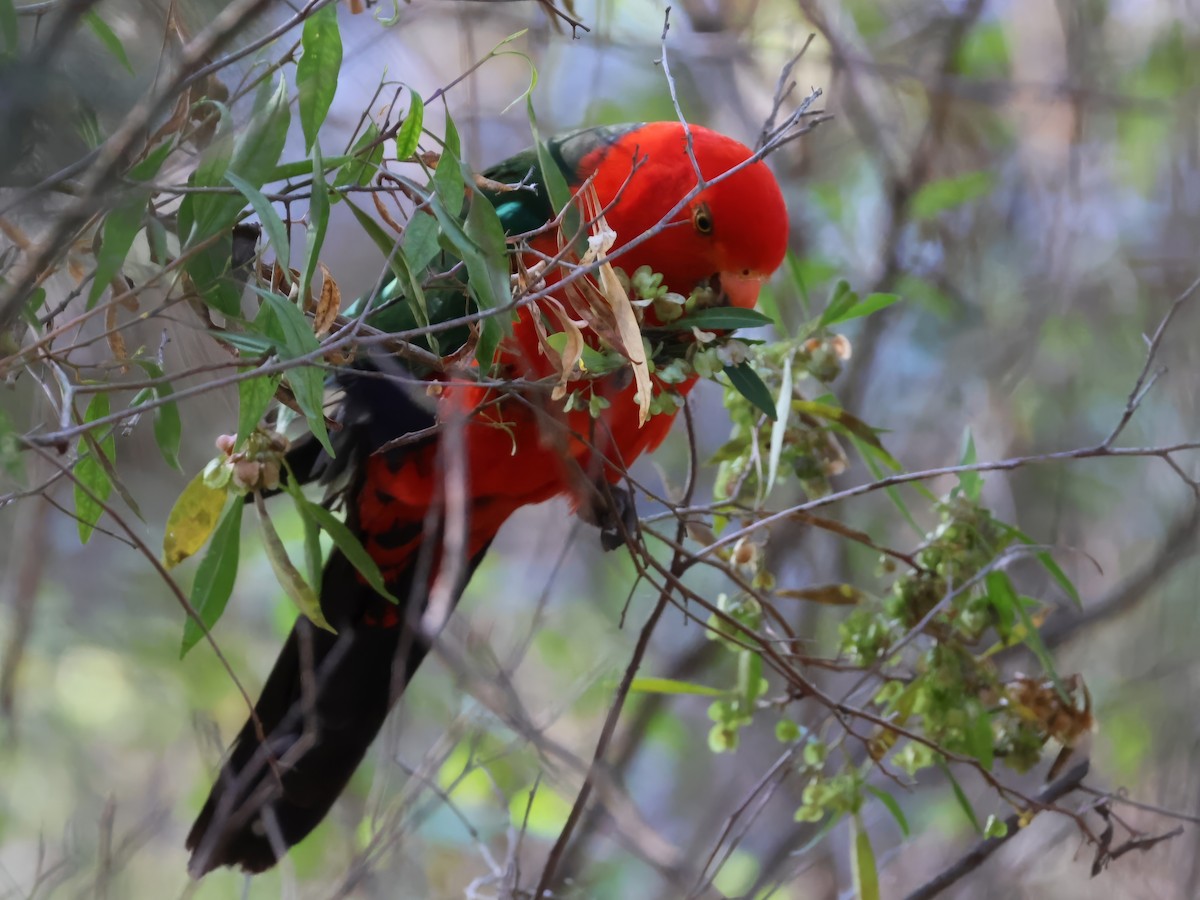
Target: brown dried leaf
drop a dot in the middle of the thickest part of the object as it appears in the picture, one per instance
(179, 118)
(330, 303)
(497, 187)
(14, 234)
(614, 292)
(825, 594)
(377, 199)
(467, 350)
(572, 351)
(116, 341)
(835, 526)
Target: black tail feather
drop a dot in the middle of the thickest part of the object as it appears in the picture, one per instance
(322, 705)
(327, 695)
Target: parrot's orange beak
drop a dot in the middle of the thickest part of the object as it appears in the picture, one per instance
(742, 288)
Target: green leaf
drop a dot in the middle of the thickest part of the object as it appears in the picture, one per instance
(488, 274)
(318, 225)
(409, 135)
(959, 795)
(215, 575)
(747, 382)
(254, 397)
(383, 241)
(272, 224)
(892, 806)
(168, 427)
(1048, 564)
(9, 30)
(306, 382)
(121, 225)
(866, 876)
(556, 184)
(350, 546)
(1033, 640)
(420, 241)
(37, 299)
(673, 686)
(292, 582)
(947, 193)
(869, 460)
(970, 484)
(1003, 600)
(840, 300)
(364, 160)
(10, 448)
(254, 344)
(120, 228)
(855, 308)
(191, 520)
(108, 38)
(258, 150)
(783, 411)
(253, 158)
(312, 535)
(285, 171)
(91, 474)
(317, 71)
(719, 318)
(981, 741)
(448, 181)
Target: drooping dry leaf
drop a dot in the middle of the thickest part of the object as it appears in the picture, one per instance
(572, 351)
(614, 293)
(14, 234)
(377, 199)
(116, 340)
(329, 304)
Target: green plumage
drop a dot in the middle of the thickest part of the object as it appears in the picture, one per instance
(519, 212)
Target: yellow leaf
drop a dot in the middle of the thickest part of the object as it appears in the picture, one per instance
(192, 520)
(290, 579)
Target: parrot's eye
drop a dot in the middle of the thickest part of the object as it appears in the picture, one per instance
(702, 219)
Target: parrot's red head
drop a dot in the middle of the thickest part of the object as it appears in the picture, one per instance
(736, 229)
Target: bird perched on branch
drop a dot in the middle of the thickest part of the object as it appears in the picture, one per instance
(425, 489)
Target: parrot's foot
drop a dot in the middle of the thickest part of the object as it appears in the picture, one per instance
(613, 511)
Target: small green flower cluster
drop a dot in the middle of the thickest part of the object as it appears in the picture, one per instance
(956, 595)
(965, 542)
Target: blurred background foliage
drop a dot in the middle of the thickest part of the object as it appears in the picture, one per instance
(1023, 173)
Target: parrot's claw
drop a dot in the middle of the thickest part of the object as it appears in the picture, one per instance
(613, 510)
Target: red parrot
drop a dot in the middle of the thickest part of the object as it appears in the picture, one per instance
(422, 511)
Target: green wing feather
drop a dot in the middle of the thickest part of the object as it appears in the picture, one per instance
(526, 210)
